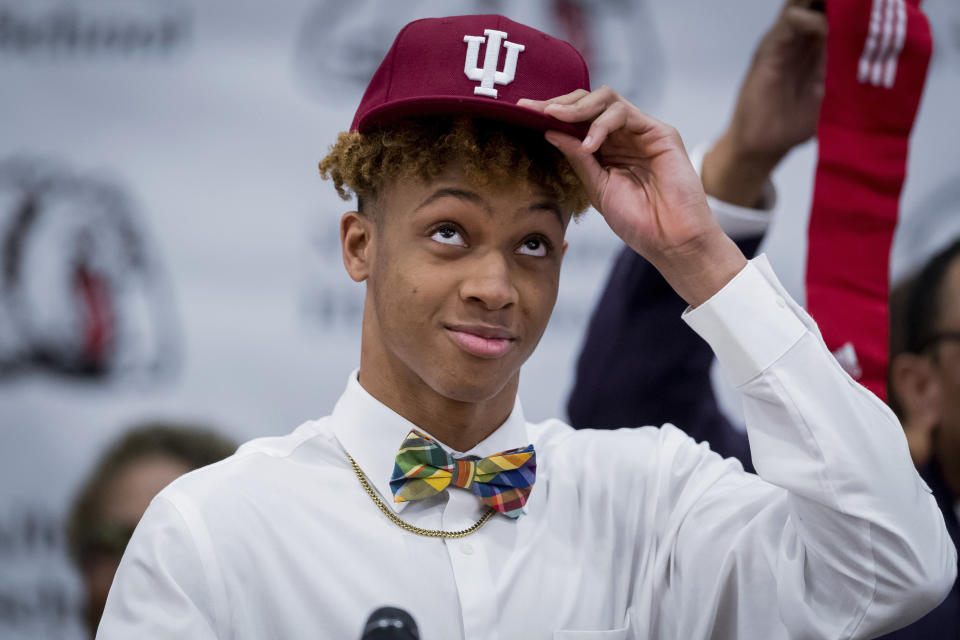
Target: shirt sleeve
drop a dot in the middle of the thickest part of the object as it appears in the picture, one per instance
(161, 589)
(838, 537)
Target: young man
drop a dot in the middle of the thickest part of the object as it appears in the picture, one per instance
(546, 532)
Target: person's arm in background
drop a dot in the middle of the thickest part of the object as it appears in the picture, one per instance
(640, 364)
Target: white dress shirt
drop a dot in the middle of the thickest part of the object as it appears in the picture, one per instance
(635, 533)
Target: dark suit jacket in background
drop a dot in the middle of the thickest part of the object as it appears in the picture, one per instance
(642, 365)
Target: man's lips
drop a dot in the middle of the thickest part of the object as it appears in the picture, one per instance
(481, 340)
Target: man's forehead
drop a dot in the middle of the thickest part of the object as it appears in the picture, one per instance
(488, 199)
(484, 191)
(520, 200)
(490, 185)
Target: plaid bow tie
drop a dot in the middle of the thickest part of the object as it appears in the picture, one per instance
(501, 481)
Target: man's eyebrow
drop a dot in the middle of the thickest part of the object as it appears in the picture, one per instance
(475, 198)
(550, 205)
(461, 194)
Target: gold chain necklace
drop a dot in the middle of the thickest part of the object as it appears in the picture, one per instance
(429, 533)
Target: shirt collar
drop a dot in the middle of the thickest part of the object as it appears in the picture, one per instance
(371, 432)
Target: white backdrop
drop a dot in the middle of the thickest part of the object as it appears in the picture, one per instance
(158, 178)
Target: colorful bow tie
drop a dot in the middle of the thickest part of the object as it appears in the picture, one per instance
(502, 481)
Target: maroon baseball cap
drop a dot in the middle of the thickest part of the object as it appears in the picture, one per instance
(477, 66)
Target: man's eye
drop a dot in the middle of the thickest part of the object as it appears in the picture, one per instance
(448, 234)
(534, 247)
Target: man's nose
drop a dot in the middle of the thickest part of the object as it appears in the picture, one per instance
(489, 282)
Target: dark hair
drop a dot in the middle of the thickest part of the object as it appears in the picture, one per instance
(190, 445)
(490, 152)
(915, 305)
(921, 318)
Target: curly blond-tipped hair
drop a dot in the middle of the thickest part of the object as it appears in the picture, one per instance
(490, 153)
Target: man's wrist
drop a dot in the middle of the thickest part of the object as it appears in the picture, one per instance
(703, 267)
(750, 323)
(734, 174)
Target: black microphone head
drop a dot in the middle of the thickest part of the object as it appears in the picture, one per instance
(390, 623)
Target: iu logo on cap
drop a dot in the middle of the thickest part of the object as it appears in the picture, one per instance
(488, 74)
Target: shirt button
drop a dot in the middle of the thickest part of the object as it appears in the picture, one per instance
(781, 302)
(466, 548)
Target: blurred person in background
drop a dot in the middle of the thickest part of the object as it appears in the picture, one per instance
(919, 425)
(776, 110)
(925, 362)
(123, 482)
(924, 390)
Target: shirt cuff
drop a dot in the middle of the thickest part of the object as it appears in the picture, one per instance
(736, 221)
(750, 323)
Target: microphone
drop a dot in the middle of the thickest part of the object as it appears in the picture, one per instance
(390, 623)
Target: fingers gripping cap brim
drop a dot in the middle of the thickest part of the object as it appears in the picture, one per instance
(478, 66)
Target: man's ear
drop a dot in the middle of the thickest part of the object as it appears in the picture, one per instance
(917, 387)
(357, 243)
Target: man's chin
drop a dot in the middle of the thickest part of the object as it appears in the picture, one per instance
(473, 386)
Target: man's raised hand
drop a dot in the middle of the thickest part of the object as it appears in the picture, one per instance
(777, 107)
(638, 176)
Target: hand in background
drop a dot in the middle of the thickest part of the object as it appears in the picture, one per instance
(777, 108)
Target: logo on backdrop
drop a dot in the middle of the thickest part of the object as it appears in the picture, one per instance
(81, 293)
(115, 29)
(341, 43)
(488, 74)
(34, 602)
